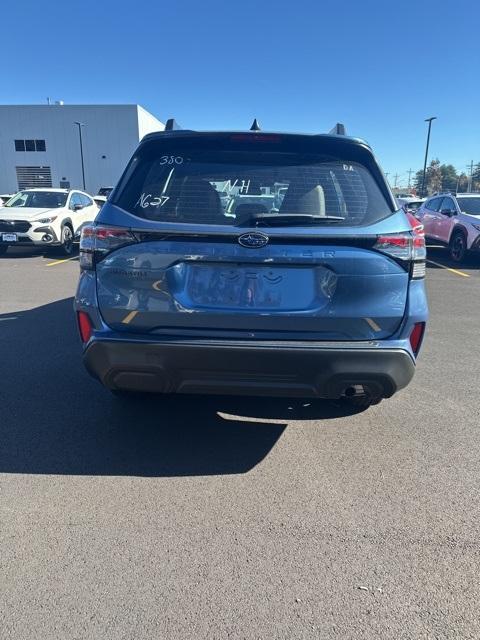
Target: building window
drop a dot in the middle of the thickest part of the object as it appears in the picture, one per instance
(30, 145)
(28, 177)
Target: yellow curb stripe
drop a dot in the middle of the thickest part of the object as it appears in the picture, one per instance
(456, 271)
(128, 318)
(52, 264)
(372, 324)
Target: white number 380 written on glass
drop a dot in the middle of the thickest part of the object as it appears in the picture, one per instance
(171, 160)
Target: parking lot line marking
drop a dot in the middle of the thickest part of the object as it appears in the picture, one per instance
(459, 273)
(52, 264)
(372, 324)
(128, 318)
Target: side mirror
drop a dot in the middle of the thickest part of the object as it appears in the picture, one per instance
(447, 212)
(77, 207)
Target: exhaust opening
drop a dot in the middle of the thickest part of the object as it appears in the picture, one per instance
(355, 390)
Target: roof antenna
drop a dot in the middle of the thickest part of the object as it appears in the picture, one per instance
(172, 125)
(255, 126)
(338, 130)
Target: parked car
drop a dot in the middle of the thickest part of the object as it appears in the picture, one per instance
(454, 221)
(241, 205)
(5, 197)
(410, 205)
(105, 191)
(323, 298)
(99, 201)
(45, 218)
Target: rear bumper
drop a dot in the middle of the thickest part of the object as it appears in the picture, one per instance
(245, 368)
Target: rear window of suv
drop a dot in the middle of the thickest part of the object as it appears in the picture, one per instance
(228, 187)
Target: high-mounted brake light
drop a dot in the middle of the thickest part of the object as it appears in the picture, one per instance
(257, 137)
(84, 326)
(97, 241)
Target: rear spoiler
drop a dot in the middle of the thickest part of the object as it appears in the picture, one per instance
(338, 129)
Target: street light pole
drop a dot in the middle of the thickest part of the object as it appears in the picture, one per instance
(80, 125)
(429, 120)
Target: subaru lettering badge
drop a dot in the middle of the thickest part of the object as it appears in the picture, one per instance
(253, 240)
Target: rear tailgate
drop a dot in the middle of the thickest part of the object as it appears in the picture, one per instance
(322, 292)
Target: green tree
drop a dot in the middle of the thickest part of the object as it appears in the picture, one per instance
(449, 177)
(417, 182)
(462, 182)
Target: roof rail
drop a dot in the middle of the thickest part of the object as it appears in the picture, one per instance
(172, 125)
(338, 130)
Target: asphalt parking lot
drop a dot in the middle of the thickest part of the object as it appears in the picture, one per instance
(234, 518)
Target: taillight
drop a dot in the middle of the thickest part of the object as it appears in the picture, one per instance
(97, 241)
(84, 326)
(416, 336)
(407, 248)
(396, 245)
(419, 247)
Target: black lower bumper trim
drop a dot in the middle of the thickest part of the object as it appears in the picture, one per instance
(302, 370)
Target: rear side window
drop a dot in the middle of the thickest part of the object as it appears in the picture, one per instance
(227, 187)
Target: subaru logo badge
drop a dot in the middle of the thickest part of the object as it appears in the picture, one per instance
(253, 240)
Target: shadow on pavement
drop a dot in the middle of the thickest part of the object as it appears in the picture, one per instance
(23, 253)
(55, 419)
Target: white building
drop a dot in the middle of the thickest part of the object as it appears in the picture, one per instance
(40, 144)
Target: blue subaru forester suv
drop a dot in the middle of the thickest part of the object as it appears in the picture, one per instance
(252, 263)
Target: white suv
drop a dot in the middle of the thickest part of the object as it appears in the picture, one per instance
(453, 220)
(45, 218)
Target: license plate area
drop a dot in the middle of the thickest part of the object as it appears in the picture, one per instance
(233, 287)
(9, 237)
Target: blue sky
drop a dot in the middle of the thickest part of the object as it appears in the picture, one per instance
(381, 67)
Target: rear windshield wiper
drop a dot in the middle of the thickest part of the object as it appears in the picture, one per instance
(285, 220)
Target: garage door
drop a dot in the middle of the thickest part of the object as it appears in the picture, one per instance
(28, 177)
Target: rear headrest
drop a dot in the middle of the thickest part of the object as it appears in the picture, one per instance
(198, 200)
(311, 201)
